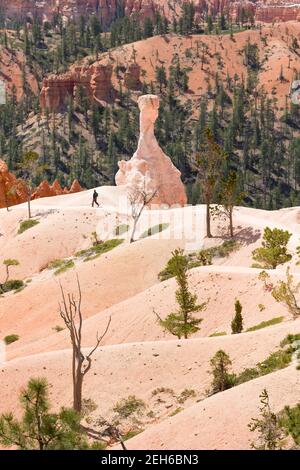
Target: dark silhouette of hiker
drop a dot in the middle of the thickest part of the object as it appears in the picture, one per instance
(95, 198)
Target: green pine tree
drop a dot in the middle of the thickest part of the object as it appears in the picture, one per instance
(222, 379)
(274, 249)
(182, 323)
(237, 322)
(39, 429)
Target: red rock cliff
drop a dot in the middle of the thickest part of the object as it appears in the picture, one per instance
(107, 10)
(95, 80)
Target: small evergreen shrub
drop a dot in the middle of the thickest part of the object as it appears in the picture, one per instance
(273, 251)
(11, 339)
(26, 225)
(129, 406)
(61, 265)
(12, 285)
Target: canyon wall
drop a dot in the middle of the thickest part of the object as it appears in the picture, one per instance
(108, 10)
(94, 80)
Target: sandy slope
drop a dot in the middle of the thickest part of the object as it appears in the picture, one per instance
(221, 421)
(134, 318)
(139, 368)
(137, 356)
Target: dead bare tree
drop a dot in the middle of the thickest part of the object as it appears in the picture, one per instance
(111, 429)
(70, 312)
(139, 197)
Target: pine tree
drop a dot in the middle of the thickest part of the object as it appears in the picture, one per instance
(237, 322)
(161, 77)
(208, 164)
(39, 429)
(274, 249)
(270, 433)
(222, 379)
(182, 323)
(229, 197)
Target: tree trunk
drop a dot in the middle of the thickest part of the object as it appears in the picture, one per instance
(133, 230)
(231, 223)
(77, 398)
(29, 206)
(208, 232)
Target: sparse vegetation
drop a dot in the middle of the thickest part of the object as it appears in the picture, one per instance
(154, 230)
(270, 434)
(273, 251)
(129, 406)
(97, 250)
(88, 407)
(221, 333)
(61, 265)
(176, 411)
(289, 419)
(275, 361)
(26, 225)
(202, 258)
(185, 395)
(11, 339)
(265, 324)
(159, 390)
(284, 291)
(58, 328)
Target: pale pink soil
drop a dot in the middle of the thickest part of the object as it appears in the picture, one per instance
(137, 356)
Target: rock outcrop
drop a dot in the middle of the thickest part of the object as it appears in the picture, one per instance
(150, 169)
(108, 10)
(75, 188)
(132, 77)
(278, 12)
(14, 191)
(47, 190)
(95, 81)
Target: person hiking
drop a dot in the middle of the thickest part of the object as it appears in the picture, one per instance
(95, 198)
